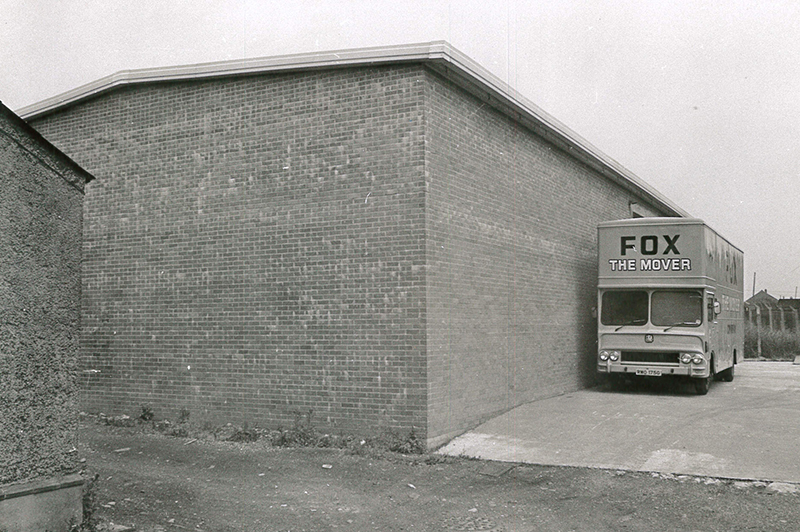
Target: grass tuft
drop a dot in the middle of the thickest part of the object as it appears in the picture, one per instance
(775, 345)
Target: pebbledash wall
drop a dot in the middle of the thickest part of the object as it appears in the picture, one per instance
(40, 269)
(389, 238)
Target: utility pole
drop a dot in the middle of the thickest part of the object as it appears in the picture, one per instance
(754, 283)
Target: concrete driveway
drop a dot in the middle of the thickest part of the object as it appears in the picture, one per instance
(746, 429)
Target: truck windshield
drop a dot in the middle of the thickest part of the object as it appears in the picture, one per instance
(671, 308)
(624, 307)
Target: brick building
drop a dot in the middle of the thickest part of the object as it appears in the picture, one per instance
(390, 237)
(40, 286)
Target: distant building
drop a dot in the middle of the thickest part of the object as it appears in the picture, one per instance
(762, 298)
(40, 287)
(388, 237)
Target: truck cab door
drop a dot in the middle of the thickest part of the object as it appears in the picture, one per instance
(713, 326)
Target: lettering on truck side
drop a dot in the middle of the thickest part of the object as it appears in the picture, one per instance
(648, 244)
(650, 265)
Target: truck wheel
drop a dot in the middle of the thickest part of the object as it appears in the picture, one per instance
(727, 375)
(701, 386)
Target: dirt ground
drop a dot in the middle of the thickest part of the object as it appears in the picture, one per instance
(153, 482)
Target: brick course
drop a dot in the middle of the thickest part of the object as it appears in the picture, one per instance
(373, 244)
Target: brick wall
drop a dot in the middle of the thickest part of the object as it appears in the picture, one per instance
(254, 247)
(512, 262)
(40, 250)
(373, 243)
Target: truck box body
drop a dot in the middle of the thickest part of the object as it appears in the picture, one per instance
(669, 300)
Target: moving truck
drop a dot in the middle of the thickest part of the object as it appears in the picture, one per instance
(669, 301)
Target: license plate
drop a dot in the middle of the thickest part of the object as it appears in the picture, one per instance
(649, 372)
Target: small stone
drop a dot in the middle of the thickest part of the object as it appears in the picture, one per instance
(782, 487)
(473, 510)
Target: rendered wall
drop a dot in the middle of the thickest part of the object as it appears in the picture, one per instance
(512, 262)
(40, 267)
(254, 248)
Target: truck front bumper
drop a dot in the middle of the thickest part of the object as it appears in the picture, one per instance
(653, 370)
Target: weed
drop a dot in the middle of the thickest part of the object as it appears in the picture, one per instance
(775, 345)
(90, 503)
(388, 440)
(183, 416)
(411, 444)
(147, 414)
(245, 434)
(302, 433)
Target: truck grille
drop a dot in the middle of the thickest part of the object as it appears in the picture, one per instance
(650, 357)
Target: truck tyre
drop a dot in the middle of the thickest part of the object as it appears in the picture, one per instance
(727, 375)
(701, 386)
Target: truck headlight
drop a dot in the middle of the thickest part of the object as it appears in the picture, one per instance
(698, 359)
(605, 355)
(686, 358)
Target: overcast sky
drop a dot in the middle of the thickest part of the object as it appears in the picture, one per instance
(701, 99)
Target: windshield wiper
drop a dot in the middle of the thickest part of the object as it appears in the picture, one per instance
(695, 322)
(637, 321)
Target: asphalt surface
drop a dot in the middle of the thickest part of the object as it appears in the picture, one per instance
(746, 429)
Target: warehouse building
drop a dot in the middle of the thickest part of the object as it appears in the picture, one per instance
(385, 237)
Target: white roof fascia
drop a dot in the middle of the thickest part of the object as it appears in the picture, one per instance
(438, 55)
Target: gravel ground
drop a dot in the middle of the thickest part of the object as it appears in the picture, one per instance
(151, 482)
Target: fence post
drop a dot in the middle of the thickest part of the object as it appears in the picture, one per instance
(758, 329)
